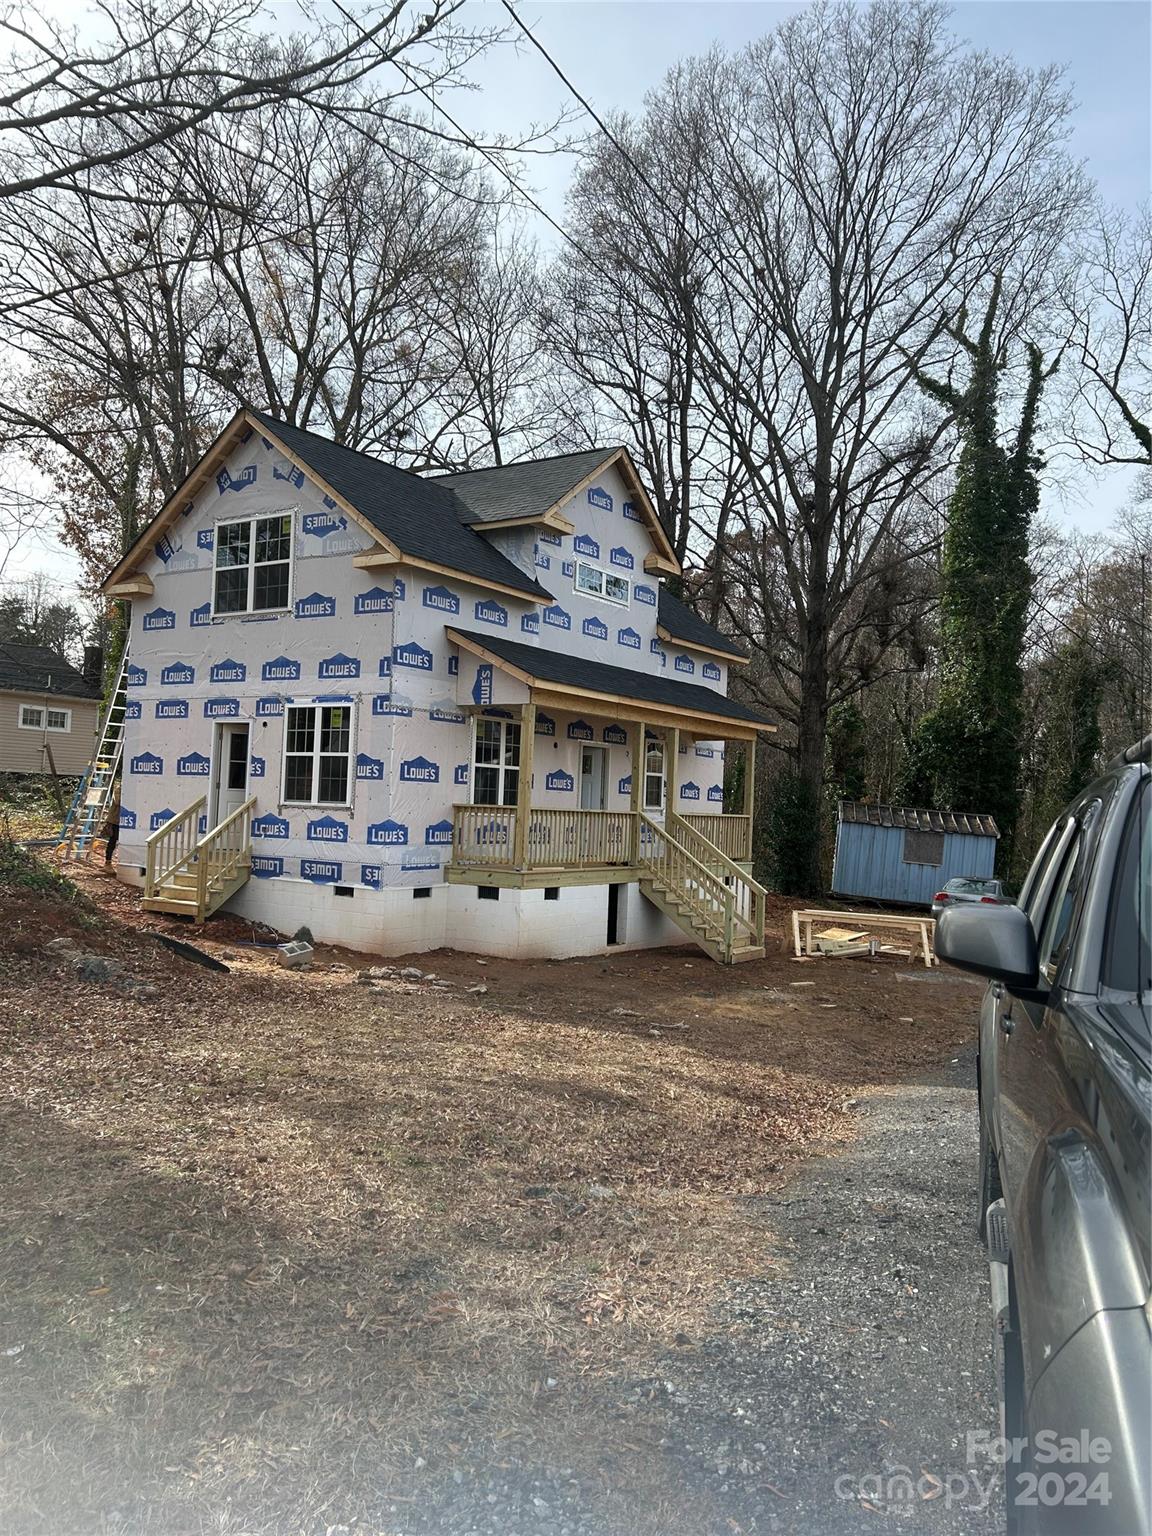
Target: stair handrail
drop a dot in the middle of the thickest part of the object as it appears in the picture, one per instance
(717, 857)
(155, 872)
(206, 875)
(723, 895)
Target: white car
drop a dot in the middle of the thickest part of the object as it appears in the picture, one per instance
(968, 888)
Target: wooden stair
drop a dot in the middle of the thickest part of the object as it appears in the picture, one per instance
(189, 875)
(711, 898)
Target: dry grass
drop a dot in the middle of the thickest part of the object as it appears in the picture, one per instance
(282, 1252)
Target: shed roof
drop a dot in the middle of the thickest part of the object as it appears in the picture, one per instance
(36, 669)
(970, 823)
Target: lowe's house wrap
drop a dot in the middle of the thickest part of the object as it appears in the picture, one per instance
(426, 710)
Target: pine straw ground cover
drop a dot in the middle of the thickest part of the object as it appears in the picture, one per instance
(281, 1252)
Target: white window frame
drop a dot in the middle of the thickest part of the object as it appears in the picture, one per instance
(603, 595)
(502, 767)
(659, 746)
(42, 723)
(316, 710)
(256, 517)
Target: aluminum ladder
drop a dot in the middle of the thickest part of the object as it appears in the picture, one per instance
(85, 818)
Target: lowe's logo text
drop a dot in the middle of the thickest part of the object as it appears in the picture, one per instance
(201, 616)
(229, 672)
(315, 606)
(194, 766)
(376, 600)
(622, 558)
(684, 664)
(321, 871)
(281, 669)
(557, 617)
(238, 482)
(320, 524)
(644, 594)
(585, 544)
(172, 709)
(327, 829)
(266, 707)
(158, 818)
(412, 655)
(560, 780)
(438, 832)
(340, 666)
(388, 834)
(711, 671)
(418, 770)
(441, 599)
(595, 629)
(147, 762)
(599, 497)
(716, 794)
(221, 709)
(491, 613)
(369, 767)
(265, 867)
(178, 675)
(160, 618)
(269, 826)
(689, 791)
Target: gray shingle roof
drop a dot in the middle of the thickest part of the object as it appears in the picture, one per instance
(424, 518)
(521, 490)
(36, 669)
(969, 822)
(645, 687)
(680, 621)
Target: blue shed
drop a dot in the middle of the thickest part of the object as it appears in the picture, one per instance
(895, 853)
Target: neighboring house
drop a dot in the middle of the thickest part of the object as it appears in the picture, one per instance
(410, 711)
(48, 711)
(895, 853)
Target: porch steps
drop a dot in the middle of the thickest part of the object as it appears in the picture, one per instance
(191, 876)
(708, 896)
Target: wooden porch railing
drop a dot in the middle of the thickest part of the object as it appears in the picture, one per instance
(731, 834)
(749, 895)
(486, 835)
(171, 846)
(224, 857)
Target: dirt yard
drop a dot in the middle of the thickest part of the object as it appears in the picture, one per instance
(293, 1254)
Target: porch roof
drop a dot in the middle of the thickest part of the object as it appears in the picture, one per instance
(594, 682)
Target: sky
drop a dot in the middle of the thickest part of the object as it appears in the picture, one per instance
(615, 51)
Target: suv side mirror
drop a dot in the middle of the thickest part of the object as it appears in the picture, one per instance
(997, 942)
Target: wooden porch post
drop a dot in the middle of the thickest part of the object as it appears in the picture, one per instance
(636, 796)
(749, 790)
(671, 768)
(520, 849)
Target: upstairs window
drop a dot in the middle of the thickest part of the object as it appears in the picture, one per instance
(317, 754)
(253, 564)
(594, 582)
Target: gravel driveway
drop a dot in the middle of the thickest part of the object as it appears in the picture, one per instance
(865, 1350)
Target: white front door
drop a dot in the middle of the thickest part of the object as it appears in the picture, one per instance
(593, 777)
(230, 789)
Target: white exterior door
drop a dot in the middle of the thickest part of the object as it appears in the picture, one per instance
(231, 786)
(593, 778)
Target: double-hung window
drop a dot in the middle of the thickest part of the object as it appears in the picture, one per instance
(33, 717)
(496, 762)
(594, 582)
(253, 564)
(318, 754)
(654, 775)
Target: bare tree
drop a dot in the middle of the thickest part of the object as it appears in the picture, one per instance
(801, 217)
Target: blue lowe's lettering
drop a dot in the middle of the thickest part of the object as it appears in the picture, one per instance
(543, 562)
(419, 770)
(644, 594)
(705, 752)
(412, 655)
(624, 787)
(164, 549)
(444, 714)
(256, 767)
(488, 612)
(585, 544)
(711, 671)
(561, 781)
(293, 475)
(315, 606)
(419, 861)
(127, 820)
(340, 665)
(616, 735)
(441, 599)
(545, 725)
(580, 730)
(229, 671)
(621, 557)
(226, 481)
(370, 876)
(556, 616)
(327, 829)
(387, 834)
(685, 664)
(460, 773)
(568, 568)
(689, 791)
(158, 818)
(385, 704)
(549, 538)
(375, 600)
(178, 674)
(598, 497)
(267, 707)
(281, 669)
(385, 666)
(595, 629)
(169, 709)
(369, 767)
(321, 524)
(160, 618)
(453, 666)
(438, 832)
(194, 766)
(265, 867)
(321, 871)
(135, 677)
(628, 638)
(269, 825)
(632, 512)
(204, 537)
(482, 687)
(530, 623)
(221, 709)
(132, 709)
(716, 794)
(200, 617)
(147, 763)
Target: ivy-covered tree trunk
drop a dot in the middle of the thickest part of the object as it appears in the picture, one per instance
(965, 753)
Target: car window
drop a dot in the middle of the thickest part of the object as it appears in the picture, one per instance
(1058, 923)
(1128, 952)
(1038, 884)
(977, 887)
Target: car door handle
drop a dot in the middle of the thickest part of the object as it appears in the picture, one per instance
(1007, 1023)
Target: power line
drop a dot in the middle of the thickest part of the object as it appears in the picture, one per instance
(626, 155)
